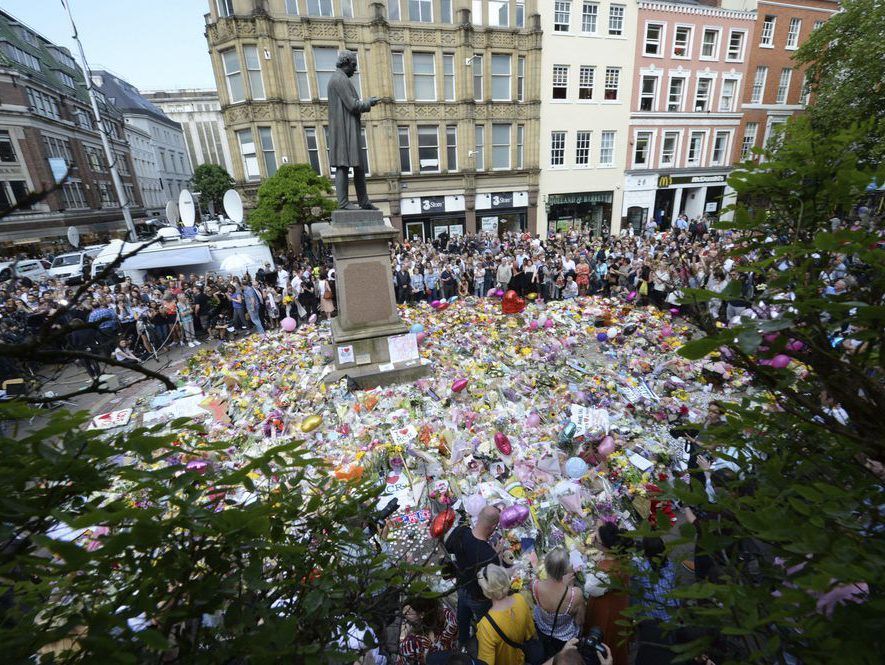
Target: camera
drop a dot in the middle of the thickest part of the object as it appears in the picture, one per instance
(387, 511)
(374, 519)
(590, 646)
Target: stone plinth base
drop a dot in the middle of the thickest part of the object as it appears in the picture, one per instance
(374, 374)
(367, 314)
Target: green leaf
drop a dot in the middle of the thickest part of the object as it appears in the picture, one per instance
(153, 639)
(699, 348)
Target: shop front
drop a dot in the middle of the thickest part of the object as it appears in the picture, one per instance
(639, 199)
(582, 211)
(502, 212)
(664, 196)
(695, 195)
(429, 217)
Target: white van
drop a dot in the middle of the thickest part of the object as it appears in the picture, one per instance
(231, 254)
(31, 268)
(71, 268)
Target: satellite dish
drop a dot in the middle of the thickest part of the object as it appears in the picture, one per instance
(172, 212)
(233, 205)
(74, 236)
(186, 208)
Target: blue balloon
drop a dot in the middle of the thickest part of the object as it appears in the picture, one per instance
(601, 336)
(453, 298)
(575, 467)
(416, 328)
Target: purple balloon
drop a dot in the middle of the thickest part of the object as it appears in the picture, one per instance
(514, 515)
(780, 361)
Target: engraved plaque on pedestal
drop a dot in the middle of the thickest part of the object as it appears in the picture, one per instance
(367, 313)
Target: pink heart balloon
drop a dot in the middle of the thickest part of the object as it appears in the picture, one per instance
(606, 446)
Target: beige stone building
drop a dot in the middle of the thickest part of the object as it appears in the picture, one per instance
(453, 145)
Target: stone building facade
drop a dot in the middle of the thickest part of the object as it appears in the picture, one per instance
(172, 166)
(586, 86)
(453, 145)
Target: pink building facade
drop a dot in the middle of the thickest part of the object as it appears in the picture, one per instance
(689, 78)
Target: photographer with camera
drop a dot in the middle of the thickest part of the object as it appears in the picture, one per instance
(589, 650)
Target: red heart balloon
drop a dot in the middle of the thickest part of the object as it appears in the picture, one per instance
(459, 385)
(442, 523)
(503, 443)
(512, 303)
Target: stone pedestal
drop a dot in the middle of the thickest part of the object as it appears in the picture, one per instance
(367, 316)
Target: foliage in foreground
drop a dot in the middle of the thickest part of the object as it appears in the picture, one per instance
(796, 530)
(846, 73)
(179, 556)
(291, 196)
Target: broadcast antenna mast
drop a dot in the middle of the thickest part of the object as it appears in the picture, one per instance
(102, 130)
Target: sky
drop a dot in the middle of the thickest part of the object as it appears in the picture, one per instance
(153, 44)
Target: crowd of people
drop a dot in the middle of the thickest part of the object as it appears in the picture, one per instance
(131, 322)
(649, 268)
(558, 622)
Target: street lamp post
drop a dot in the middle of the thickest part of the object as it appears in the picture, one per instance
(102, 130)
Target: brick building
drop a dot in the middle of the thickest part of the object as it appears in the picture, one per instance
(47, 127)
(691, 66)
(775, 87)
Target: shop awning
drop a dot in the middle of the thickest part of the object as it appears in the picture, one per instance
(183, 256)
(579, 197)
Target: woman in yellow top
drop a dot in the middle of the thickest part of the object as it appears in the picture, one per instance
(512, 614)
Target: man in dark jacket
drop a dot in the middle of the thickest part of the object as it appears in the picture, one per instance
(86, 338)
(402, 282)
(473, 552)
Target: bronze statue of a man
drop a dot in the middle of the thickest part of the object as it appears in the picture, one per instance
(345, 109)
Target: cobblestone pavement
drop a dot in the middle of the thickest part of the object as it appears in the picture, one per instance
(73, 377)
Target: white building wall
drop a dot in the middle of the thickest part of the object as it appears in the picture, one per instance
(200, 118)
(170, 155)
(576, 48)
(146, 174)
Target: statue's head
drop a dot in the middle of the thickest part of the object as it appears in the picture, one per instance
(346, 62)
